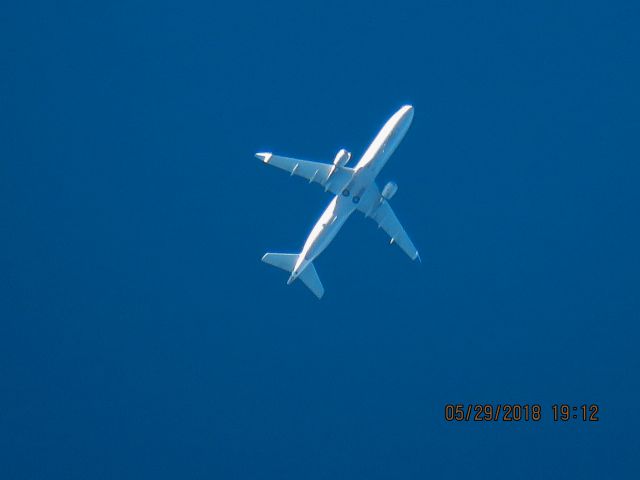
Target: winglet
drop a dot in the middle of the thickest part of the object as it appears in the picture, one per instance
(265, 157)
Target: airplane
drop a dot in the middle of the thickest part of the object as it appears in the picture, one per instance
(354, 189)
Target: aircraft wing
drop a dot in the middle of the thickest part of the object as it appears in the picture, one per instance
(386, 219)
(332, 178)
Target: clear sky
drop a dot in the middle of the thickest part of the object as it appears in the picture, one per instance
(141, 336)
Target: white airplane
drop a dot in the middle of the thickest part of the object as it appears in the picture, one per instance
(354, 189)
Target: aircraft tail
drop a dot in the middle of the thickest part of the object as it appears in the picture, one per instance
(287, 261)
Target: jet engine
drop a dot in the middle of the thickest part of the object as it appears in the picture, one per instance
(389, 190)
(342, 158)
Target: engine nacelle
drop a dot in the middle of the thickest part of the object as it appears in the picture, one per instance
(389, 190)
(342, 158)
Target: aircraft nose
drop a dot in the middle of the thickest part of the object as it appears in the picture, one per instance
(408, 111)
(405, 116)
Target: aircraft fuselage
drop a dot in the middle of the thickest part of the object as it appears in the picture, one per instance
(343, 205)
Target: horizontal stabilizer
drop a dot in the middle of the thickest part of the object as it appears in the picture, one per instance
(310, 278)
(285, 261)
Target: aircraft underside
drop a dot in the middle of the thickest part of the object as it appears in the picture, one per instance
(353, 189)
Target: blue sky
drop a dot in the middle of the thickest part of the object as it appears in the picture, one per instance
(141, 336)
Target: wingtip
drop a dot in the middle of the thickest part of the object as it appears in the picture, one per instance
(264, 156)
